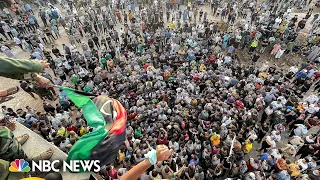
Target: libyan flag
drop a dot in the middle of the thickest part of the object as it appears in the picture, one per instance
(108, 119)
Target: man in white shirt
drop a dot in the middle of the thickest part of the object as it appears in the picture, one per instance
(73, 48)
(270, 141)
(300, 130)
(276, 105)
(303, 163)
(276, 135)
(294, 69)
(247, 26)
(18, 42)
(275, 153)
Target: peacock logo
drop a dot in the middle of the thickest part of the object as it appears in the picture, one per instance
(19, 165)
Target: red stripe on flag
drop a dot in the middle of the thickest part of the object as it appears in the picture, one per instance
(120, 123)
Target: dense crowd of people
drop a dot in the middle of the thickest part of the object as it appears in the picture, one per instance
(178, 75)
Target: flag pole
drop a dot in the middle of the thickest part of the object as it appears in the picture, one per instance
(77, 91)
(231, 149)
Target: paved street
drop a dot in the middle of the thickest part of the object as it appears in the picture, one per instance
(22, 99)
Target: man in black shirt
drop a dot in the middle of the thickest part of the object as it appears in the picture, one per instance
(66, 49)
(255, 58)
(48, 107)
(168, 16)
(55, 51)
(49, 34)
(200, 15)
(90, 43)
(42, 15)
(25, 86)
(294, 20)
(96, 41)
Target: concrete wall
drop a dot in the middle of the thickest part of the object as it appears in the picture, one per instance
(36, 144)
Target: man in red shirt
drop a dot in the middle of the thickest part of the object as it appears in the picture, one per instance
(132, 115)
(162, 138)
(118, 16)
(71, 127)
